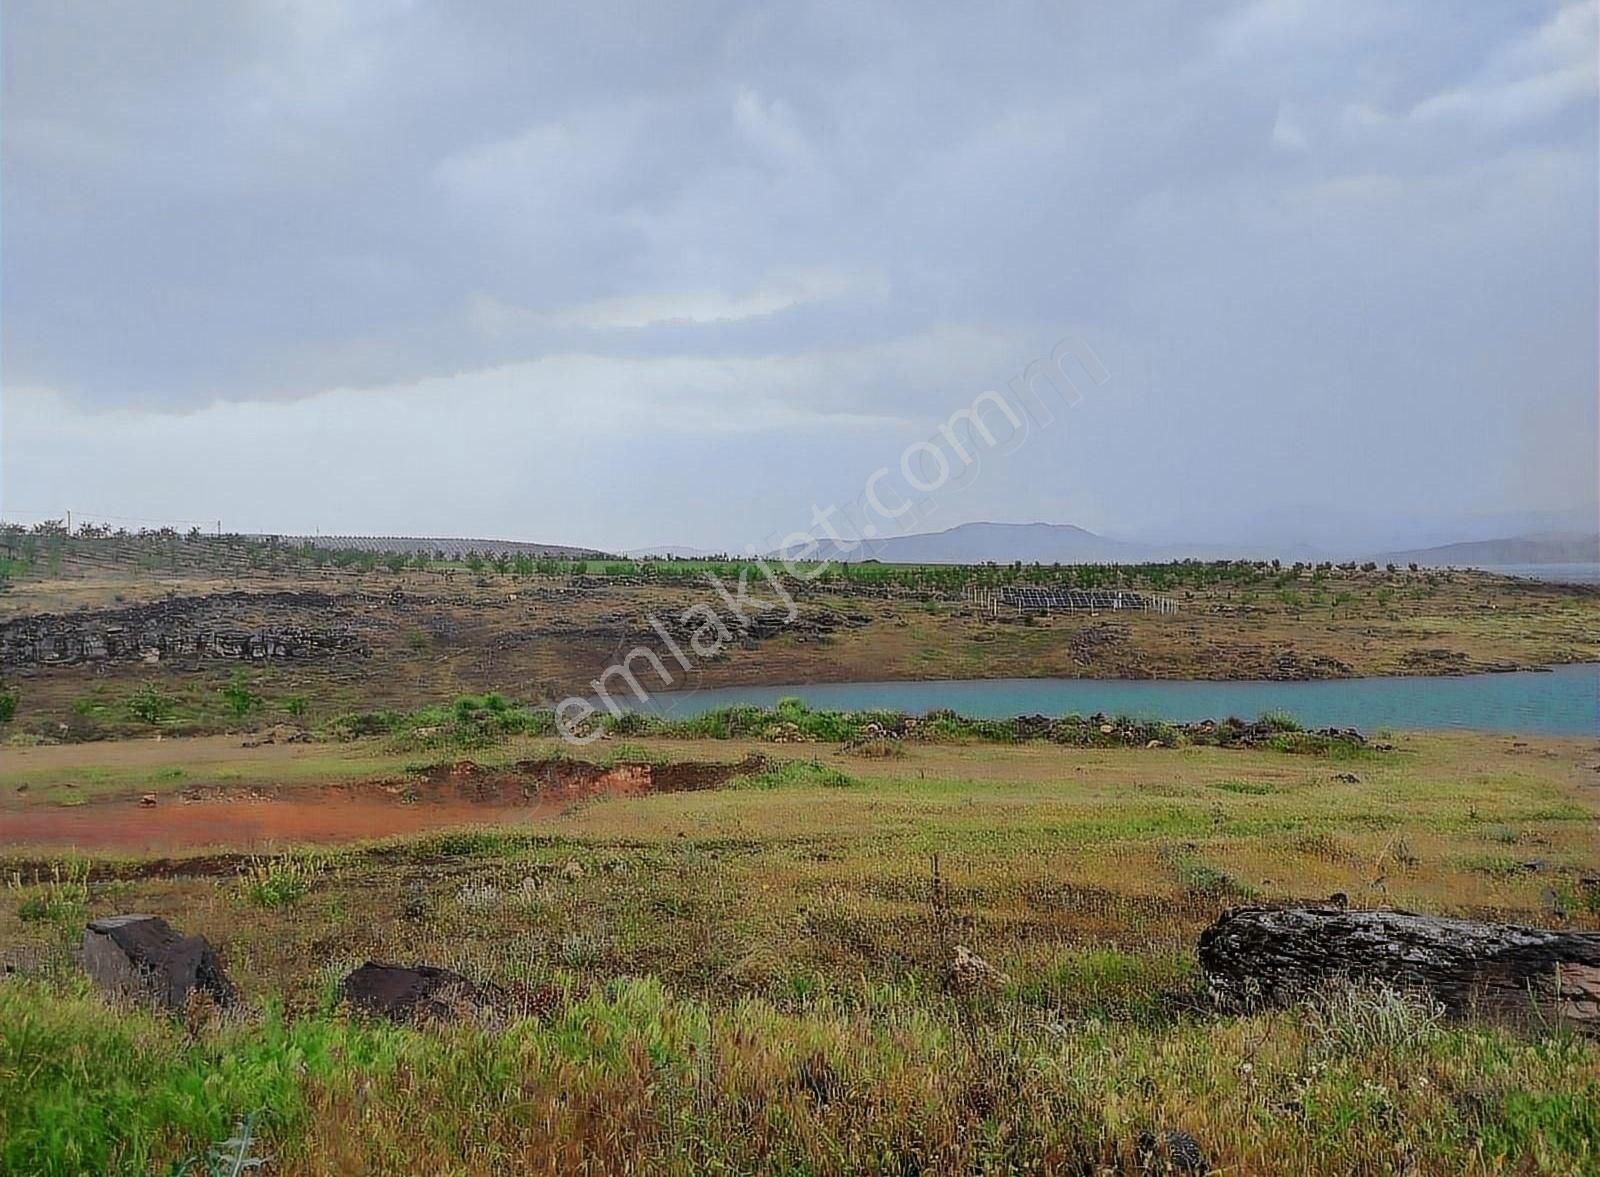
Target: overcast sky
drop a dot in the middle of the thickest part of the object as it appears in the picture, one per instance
(679, 273)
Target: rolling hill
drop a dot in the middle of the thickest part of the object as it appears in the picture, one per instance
(1002, 543)
(1566, 548)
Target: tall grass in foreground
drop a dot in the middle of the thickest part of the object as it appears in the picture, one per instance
(631, 1078)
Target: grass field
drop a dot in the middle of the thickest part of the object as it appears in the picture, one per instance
(755, 978)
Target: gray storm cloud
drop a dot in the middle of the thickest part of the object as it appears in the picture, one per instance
(629, 275)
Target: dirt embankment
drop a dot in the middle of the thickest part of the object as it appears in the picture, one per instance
(441, 797)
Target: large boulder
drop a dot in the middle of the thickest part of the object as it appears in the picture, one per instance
(144, 958)
(1281, 953)
(417, 993)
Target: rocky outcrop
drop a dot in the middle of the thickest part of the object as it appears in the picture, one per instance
(233, 626)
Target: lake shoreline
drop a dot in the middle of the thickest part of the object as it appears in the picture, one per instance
(1549, 700)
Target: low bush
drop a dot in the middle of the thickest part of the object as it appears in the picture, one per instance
(150, 704)
(62, 899)
(278, 881)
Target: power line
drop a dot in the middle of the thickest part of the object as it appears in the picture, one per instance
(94, 516)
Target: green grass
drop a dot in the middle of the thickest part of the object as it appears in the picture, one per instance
(62, 899)
(469, 722)
(792, 718)
(1245, 788)
(853, 1079)
(755, 979)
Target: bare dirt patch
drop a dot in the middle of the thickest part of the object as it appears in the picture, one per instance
(440, 797)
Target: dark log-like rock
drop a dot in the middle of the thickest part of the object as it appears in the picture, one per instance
(145, 958)
(411, 994)
(1277, 954)
(1171, 1152)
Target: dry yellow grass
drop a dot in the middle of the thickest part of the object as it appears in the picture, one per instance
(724, 956)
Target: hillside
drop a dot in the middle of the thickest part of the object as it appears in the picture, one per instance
(452, 548)
(1000, 543)
(1533, 549)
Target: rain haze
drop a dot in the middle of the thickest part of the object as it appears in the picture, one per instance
(834, 588)
(681, 274)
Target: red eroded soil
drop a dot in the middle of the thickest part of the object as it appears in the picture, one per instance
(447, 795)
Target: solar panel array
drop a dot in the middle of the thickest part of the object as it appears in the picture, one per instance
(1030, 598)
(1042, 598)
(453, 549)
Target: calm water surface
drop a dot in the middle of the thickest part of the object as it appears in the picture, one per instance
(1565, 701)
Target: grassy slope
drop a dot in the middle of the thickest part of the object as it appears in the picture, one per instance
(752, 978)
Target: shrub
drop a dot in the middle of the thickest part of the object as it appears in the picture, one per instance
(359, 724)
(238, 698)
(1204, 879)
(629, 723)
(1337, 747)
(61, 899)
(878, 748)
(150, 704)
(8, 704)
(278, 881)
(799, 774)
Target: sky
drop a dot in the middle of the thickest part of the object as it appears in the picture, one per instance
(621, 275)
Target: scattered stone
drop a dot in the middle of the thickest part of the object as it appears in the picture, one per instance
(573, 870)
(817, 1078)
(785, 733)
(278, 733)
(412, 994)
(1171, 1152)
(148, 800)
(1348, 778)
(969, 971)
(143, 957)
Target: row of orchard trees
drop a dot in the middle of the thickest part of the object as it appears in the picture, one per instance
(48, 542)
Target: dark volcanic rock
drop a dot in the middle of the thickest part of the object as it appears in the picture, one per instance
(1171, 1152)
(1278, 954)
(410, 994)
(143, 957)
(237, 625)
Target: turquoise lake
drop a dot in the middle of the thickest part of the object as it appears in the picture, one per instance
(1564, 701)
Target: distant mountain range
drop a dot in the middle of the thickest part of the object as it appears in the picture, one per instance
(1002, 543)
(1043, 543)
(1064, 543)
(1567, 548)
